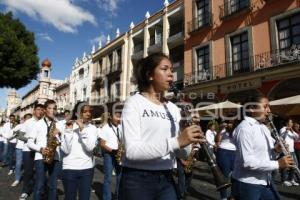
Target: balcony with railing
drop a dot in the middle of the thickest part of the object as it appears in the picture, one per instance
(197, 23)
(277, 58)
(176, 34)
(233, 7)
(116, 67)
(257, 63)
(197, 77)
(155, 44)
(138, 51)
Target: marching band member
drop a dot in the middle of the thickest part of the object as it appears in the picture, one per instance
(210, 135)
(37, 141)
(290, 136)
(255, 154)
(151, 134)
(11, 142)
(110, 138)
(28, 155)
(19, 151)
(78, 142)
(226, 152)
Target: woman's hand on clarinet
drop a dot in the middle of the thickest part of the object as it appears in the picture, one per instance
(191, 134)
(286, 162)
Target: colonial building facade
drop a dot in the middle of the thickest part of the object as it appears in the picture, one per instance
(81, 79)
(237, 47)
(62, 96)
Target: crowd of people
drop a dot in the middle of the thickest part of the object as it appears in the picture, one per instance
(143, 145)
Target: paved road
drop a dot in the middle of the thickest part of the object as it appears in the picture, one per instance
(202, 186)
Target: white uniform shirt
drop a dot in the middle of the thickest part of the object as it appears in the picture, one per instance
(227, 141)
(61, 125)
(290, 137)
(28, 127)
(210, 137)
(8, 133)
(110, 134)
(254, 159)
(78, 147)
(149, 134)
(38, 139)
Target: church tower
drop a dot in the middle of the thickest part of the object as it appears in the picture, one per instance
(45, 80)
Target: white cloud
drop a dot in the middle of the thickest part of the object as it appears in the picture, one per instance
(45, 36)
(62, 14)
(110, 6)
(96, 40)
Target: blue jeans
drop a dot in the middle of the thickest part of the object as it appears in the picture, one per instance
(40, 174)
(5, 154)
(147, 185)
(289, 174)
(11, 155)
(28, 165)
(1, 151)
(225, 161)
(77, 182)
(246, 191)
(19, 159)
(109, 162)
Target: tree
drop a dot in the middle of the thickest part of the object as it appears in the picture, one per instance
(19, 63)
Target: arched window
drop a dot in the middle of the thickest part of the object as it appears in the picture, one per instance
(81, 73)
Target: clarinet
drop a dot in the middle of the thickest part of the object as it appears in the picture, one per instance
(220, 180)
(279, 140)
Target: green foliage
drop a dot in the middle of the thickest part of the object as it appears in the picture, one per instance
(19, 63)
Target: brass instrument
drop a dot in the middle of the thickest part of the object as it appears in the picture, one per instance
(52, 143)
(220, 180)
(279, 140)
(190, 161)
(119, 154)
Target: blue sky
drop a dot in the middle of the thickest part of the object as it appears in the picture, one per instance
(64, 29)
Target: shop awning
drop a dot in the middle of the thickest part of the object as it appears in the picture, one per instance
(286, 101)
(218, 106)
(287, 106)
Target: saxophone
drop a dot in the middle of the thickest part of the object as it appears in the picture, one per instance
(119, 154)
(190, 161)
(52, 143)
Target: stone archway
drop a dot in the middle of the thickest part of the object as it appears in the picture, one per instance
(285, 88)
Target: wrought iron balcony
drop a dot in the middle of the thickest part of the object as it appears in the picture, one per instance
(231, 7)
(197, 77)
(200, 22)
(259, 62)
(277, 58)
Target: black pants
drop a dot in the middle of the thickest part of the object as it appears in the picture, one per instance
(28, 165)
